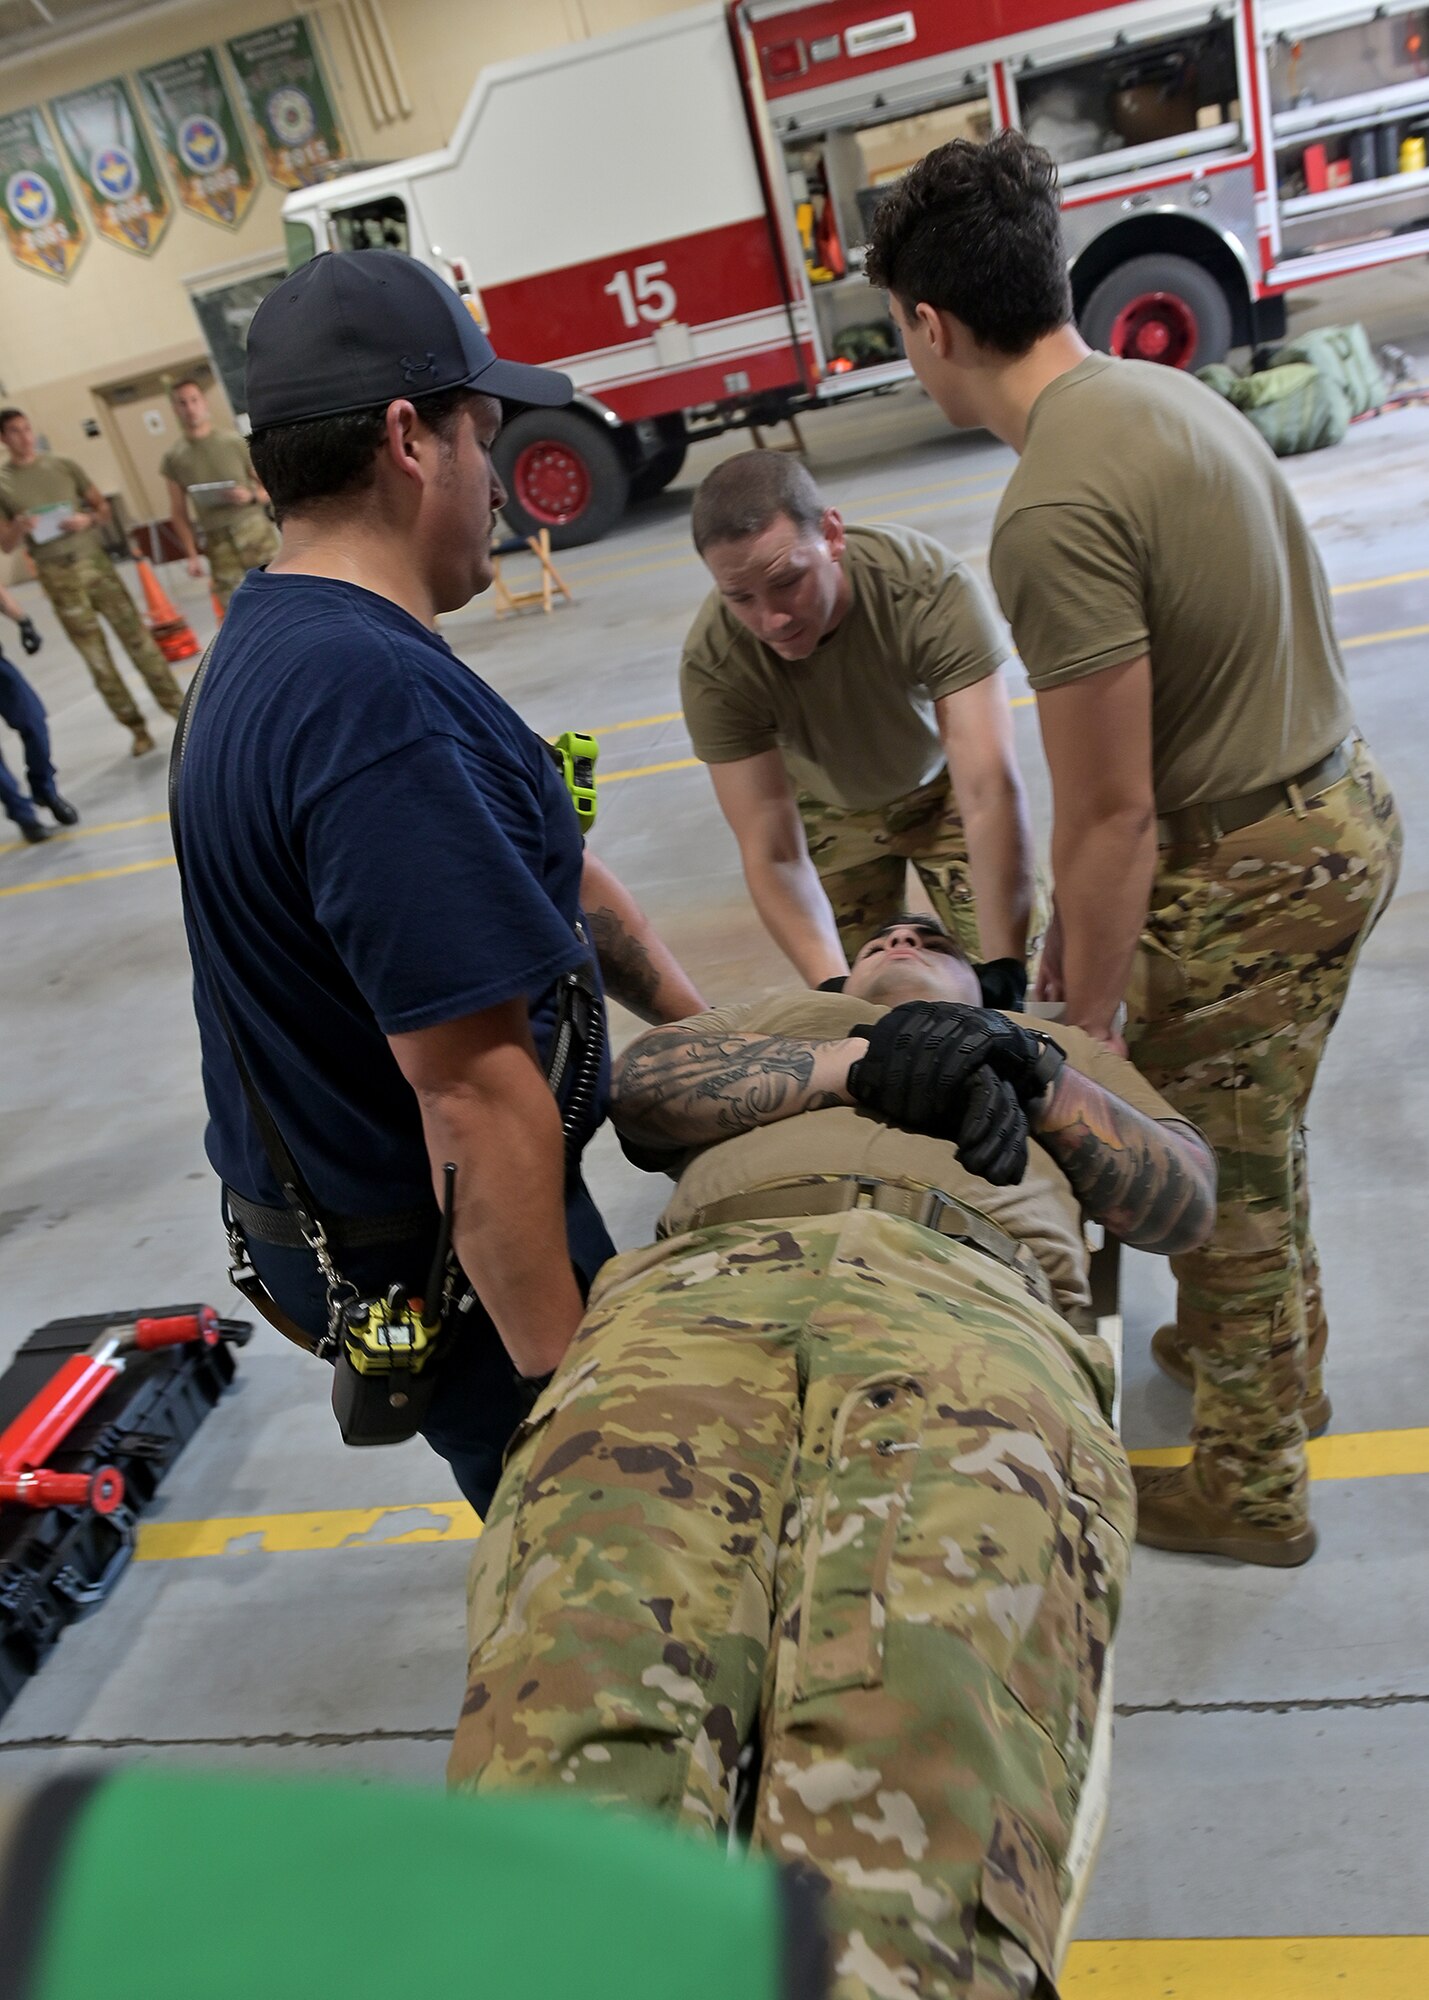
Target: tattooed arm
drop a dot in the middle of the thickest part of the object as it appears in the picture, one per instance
(1152, 1184)
(639, 971)
(677, 1087)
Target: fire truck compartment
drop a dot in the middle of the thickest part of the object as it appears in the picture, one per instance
(837, 171)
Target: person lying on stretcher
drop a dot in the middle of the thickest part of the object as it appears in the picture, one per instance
(830, 1466)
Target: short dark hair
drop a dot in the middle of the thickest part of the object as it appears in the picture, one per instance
(744, 494)
(976, 231)
(335, 458)
(9, 416)
(186, 382)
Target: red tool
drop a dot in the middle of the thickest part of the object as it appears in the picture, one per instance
(48, 1418)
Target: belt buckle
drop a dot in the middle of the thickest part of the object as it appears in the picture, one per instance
(935, 1206)
(865, 1189)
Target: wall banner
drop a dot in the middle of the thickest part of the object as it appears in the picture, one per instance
(289, 101)
(41, 224)
(197, 127)
(110, 155)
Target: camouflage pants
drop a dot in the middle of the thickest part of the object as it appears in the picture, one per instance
(83, 587)
(862, 859)
(1240, 976)
(837, 1487)
(233, 548)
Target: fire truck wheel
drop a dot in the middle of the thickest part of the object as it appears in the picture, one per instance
(657, 472)
(1160, 308)
(560, 472)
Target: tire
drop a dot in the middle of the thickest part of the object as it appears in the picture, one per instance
(657, 472)
(563, 473)
(1160, 308)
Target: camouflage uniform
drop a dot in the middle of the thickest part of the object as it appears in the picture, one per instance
(233, 548)
(843, 1483)
(863, 857)
(82, 586)
(1240, 976)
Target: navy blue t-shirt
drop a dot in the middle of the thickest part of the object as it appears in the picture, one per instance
(373, 842)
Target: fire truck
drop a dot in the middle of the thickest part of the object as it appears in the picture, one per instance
(674, 214)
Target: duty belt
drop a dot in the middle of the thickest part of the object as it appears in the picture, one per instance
(1203, 826)
(280, 1226)
(930, 1208)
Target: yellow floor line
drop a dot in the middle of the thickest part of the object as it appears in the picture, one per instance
(650, 770)
(1379, 582)
(94, 875)
(84, 831)
(288, 1534)
(1307, 1968)
(1353, 1455)
(638, 722)
(1384, 638)
(1356, 1455)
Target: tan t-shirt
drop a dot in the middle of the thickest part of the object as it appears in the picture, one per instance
(1147, 515)
(49, 481)
(205, 461)
(855, 721)
(1041, 1211)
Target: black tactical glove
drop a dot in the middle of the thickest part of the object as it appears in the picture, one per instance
(29, 637)
(1003, 982)
(922, 1054)
(992, 1136)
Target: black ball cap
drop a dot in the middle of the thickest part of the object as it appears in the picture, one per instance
(355, 329)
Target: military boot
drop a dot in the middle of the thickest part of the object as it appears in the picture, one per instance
(143, 741)
(1170, 1352)
(1175, 1509)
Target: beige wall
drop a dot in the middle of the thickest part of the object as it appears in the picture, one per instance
(121, 314)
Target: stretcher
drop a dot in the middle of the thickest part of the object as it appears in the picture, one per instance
(93, 1412)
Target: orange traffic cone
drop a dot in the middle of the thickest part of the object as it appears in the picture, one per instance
(173, 636)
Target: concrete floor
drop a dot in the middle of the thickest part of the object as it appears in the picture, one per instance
(1271, 1759)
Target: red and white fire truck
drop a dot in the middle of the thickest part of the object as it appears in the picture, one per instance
(674, 214)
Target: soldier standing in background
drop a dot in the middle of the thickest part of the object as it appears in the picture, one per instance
(1223, 842)
(55, 508)
(212, 472)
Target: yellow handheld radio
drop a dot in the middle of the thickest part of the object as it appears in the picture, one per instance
(382, 1385)
(577, 753)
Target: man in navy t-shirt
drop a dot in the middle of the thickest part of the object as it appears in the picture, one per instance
(383, 872)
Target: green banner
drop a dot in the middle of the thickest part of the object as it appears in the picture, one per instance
(41, 224)
(110, 155)
(289, 101)
(197, 127)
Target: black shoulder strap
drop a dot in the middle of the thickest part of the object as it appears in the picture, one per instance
(285, 1169)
